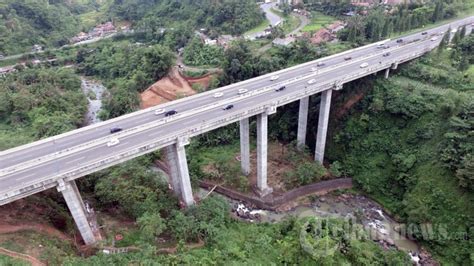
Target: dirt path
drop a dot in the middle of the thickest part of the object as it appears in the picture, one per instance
(34, 261)
(179, 62)
(41, 228)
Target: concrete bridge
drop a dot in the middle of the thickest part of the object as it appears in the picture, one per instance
(59, 160)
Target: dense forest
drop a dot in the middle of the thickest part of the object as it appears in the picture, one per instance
(37, 103)
(225, 16)
(408, 144)
(43, 22)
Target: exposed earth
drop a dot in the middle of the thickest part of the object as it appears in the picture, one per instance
(172, 87)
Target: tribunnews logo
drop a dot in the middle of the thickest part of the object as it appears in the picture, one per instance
(320, 236)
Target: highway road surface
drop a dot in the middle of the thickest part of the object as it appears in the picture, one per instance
(87, 145)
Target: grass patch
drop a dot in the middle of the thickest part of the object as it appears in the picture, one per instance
(5, 260)
(318, 21)
(290, 23)
(260, 27)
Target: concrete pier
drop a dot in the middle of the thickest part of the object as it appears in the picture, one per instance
(387, 73)
(78, 211)
(324, 109)
(302, 123)
(245, 146)
(262, 148)
(186, 190)
(171, 158)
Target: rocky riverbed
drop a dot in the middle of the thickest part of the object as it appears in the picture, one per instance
(380, 226)
(94, 91)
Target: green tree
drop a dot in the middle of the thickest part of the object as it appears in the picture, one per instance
(151, 225)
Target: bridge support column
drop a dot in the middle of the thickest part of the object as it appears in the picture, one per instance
(302, 123)
(387, 72)
(186, 190)
(262, 142)
(171, 157)
(78, 211)
(245, 146)
(324, 110)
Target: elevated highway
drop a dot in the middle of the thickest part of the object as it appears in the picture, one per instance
(59, 160)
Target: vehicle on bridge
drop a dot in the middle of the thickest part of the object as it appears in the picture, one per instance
(319, 64)
(218, 94)
(347, 58)
(386, 54)
(115, 130)
(424, 33)
(242, 91)
(399, 40)
(434, 39)
(314, 69)
(170, 113)
(113, 142)
(159, 111)
(275, 77)
(228, 107)
(364, 65)
(281, 88)
(311, 81)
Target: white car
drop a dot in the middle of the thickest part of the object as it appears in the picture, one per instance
(314, 69)
(275, 77)
(159, 111)
(218, 94)
(364, 65)
(113, 142)
(242, 91)
(311, 81)
(434, 39)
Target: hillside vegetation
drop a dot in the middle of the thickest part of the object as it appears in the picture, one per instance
(225, 16)
(410, 146)
(37, 103)
(47, 23)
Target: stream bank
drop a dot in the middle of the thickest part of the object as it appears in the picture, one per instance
(360, 209)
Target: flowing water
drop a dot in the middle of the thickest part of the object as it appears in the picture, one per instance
(94, 91)
(380, 226)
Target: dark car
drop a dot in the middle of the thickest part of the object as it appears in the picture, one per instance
(347, 58)
(228, 107)
(172, 112)
(424, 33)
(386, 54)
(281, 88)
(115, 130)
(399, 40)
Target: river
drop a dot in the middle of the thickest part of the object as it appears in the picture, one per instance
(380, 226)
(94, 91)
